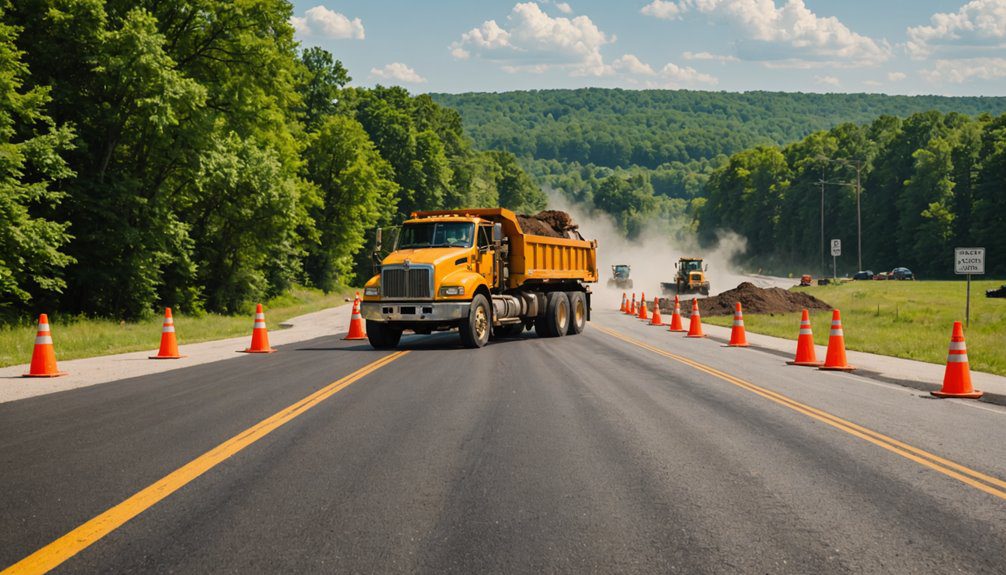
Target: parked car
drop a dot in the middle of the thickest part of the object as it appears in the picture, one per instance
(881, 276)
(901, 274)
(1001, 292)
(863, 275)
(806, 280)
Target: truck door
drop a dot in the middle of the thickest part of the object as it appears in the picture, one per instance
(484, 259)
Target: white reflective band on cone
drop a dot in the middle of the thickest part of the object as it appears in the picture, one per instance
(739, 322)
(835, 332)
(957, 358)
(260, 316)
(836, 322)
(168, 329)
(43, 339)
(806, 332)
(43, 327)
(958, 345)
(260, 325)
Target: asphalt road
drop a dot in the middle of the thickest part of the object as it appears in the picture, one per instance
(579, 454)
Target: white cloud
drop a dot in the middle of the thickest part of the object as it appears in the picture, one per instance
(827, 80)
(662, 9)
(896, 76)
(631, 64)
(979, 25)
(723, 58)
(685, 75)
(531, 40)
(963, 70)
(320, 21)
(872, 83)
(790, 35)
(564, 7)
(398, 72)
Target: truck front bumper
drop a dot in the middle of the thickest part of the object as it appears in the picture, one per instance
(415, 311)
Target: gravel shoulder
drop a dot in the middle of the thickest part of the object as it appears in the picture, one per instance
(102, 369)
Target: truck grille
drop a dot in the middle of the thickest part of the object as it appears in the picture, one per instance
(406, 283)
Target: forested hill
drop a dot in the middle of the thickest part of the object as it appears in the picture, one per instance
(622, 128)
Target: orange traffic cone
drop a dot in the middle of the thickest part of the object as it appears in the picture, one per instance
(643, 314)
(695, 321)
(738, 337)
(805, 353)
(624, 302)
(260, 335)
(356, 322)
(169, 345)
(656, 319)
(676, 316)
(632, 305)
(43, 356)
(835, 360)
(957, 377)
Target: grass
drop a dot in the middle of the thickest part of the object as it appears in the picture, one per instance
(76, 337)
(905, 319)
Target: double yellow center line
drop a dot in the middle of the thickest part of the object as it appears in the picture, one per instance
(55, 553)
(978, 480)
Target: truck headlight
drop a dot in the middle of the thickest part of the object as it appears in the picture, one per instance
(372, 291)
(452, 290)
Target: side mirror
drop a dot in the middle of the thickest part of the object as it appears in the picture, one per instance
(707, 267)
(497, 233)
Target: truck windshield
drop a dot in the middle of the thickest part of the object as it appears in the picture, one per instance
(437, 235)
(693, 266)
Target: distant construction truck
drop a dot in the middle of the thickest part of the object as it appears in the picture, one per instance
(620, 277)
(477, 271)
(690, 278)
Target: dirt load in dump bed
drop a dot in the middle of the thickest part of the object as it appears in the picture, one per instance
(753, 299)
(550, 223)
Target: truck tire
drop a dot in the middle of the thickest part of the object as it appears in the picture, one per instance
(382, 335)
(556, 320)
(475, 330)
(577, 312)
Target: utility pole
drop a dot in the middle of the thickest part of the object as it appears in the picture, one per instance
(859, 219)
(822, 182)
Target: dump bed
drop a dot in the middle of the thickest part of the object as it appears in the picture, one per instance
(536, 258)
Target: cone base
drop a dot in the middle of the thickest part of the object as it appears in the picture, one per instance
(837, 368)
(678, 330)
(57, 374)
(357, 338)
(249, 350)
(658, 324)
(806, 363)
(696, 336)
(973, 395)
(167, 356)
(738, 345)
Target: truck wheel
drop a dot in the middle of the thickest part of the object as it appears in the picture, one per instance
(475, 330)
(382, 335)
(556, 320)
(577, 312)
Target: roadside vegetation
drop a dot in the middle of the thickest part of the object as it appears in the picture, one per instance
(907, 319)
(79, 336)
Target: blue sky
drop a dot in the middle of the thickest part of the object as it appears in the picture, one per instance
(949, 47)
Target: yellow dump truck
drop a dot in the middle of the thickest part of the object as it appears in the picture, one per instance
(476, 271)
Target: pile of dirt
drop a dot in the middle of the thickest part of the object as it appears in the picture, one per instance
(754, 300)
(551, 223)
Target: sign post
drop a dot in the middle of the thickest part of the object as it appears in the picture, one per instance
(968, 261)
(836, 250)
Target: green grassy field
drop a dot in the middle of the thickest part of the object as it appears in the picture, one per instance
(903, 319)
(77, 337)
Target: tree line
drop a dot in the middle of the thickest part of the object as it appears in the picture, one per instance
(190, 153)
(929, 182)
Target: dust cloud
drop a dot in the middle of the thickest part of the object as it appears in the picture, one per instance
(652, 256)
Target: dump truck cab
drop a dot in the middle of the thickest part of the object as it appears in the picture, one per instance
(477, 272)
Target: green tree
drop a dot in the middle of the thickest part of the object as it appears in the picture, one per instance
(356, 187)
(31, 144)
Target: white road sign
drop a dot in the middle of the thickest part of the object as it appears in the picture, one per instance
(969, 261)
(836, 247)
